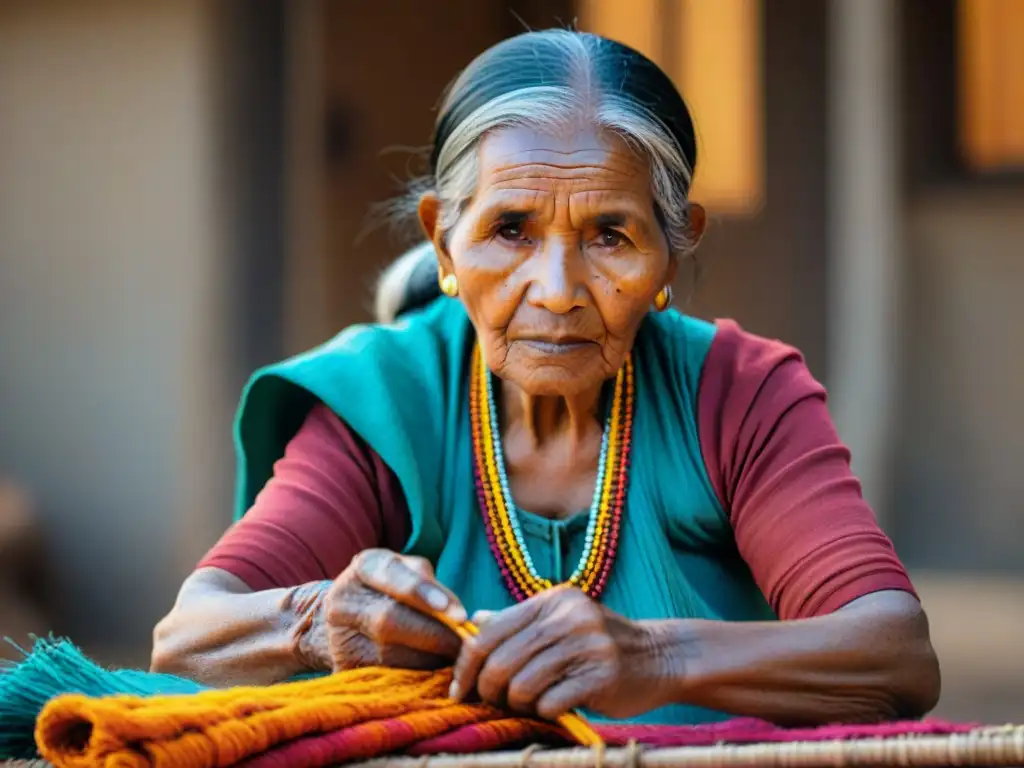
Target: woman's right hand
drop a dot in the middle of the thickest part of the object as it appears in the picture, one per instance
(377, 612)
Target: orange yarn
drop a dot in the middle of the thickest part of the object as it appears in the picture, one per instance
(222, 727)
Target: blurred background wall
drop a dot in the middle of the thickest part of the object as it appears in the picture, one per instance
(184, 195)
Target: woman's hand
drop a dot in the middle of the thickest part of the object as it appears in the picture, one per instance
(377, 612)
(558, 651)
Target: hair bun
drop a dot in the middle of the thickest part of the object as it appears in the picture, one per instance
(408, 283)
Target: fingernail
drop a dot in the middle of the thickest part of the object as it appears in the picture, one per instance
(435, 598)
(457, 613)
(453, 691)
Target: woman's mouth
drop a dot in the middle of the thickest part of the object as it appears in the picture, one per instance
(560, 346)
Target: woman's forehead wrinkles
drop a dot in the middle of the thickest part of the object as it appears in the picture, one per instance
(578, 195)
(582, 190)
(543, 171)
(565, 180)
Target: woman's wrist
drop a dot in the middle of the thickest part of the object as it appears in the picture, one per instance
(666, 659)
(653, 665)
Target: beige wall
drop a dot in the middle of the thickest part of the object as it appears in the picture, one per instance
(977, 628)
(111, 353)
(959, 502)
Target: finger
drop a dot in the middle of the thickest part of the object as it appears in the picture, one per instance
(505, 661)
(482, 617)
(537, 675)
(496, 630)
(408, 580)
(564, 696)
(354, 650)
(388, 622)
(403, 657)
(455, 611)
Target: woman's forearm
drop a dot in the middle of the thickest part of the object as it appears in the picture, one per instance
(222, 633)
(870, 661)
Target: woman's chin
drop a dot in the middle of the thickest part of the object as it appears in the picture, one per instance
(557, 375)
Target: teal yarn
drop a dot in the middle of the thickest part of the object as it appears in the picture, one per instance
(54, 667)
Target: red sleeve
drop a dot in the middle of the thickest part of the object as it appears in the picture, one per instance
(330, 497)
(784, 478)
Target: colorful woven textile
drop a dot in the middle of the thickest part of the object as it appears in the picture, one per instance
(385, 713)
(82, 714)
(384, 708)
(348, 716)
(307, 726)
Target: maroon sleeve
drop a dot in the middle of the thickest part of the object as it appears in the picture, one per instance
(330, 497)
(784, 478)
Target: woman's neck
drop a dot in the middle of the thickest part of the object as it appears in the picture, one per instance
(547, 417)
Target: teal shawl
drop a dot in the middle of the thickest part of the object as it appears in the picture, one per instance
(404, 390)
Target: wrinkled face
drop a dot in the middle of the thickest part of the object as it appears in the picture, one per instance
(558, 256)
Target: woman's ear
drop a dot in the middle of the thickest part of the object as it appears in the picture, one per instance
(698, 218)
(429, 211)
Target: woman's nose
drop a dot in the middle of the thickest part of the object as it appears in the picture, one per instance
(556, 284)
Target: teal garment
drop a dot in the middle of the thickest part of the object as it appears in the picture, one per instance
(404, 390)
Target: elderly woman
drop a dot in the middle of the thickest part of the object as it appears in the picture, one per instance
(653, 515)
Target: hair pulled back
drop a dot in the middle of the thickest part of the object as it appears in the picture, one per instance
(548, 80)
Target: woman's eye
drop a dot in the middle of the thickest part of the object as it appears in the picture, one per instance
(609, 238)
(512, 232)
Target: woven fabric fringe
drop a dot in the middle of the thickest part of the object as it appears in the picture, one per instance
(54, 667)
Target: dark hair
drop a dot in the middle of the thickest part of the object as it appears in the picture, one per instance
(546, 78)
(536, 59)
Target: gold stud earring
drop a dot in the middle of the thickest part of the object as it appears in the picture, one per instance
(449, 285)
(664, 299)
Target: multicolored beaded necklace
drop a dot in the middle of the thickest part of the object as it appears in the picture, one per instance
(498, 508)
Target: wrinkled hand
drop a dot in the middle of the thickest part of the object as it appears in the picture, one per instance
(558, 651)
(376, 612)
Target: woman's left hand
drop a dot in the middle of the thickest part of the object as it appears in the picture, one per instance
(558, 651)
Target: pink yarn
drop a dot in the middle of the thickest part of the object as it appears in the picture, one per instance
(513, 733)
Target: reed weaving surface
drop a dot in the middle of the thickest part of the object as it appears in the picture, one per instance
(371, 713)
(991, 746)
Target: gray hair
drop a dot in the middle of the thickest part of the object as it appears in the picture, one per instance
(581, 91)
